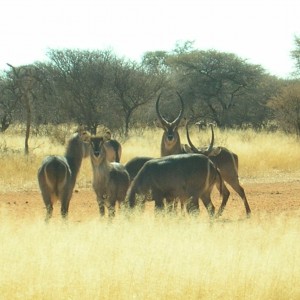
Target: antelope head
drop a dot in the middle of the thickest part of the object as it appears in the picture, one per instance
(97, 150)
(208, 151)
(170, 143)
(78, 145)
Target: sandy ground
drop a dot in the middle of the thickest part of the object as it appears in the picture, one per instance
(265, 198)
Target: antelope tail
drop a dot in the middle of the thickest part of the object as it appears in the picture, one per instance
(55, 177)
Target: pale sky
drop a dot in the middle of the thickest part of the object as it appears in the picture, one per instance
(261, 31)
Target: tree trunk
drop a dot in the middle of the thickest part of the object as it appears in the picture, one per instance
(28, 123)
(127, 119)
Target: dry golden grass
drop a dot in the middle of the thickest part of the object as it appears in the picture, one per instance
(150, 258)
(147, 257)
(261, 155)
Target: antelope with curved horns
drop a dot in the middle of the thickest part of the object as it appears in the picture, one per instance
(135, 164)
(57, 174)
(227, 162)
(170, 143)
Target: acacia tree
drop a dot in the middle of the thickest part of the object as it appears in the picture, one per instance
(296, 55)
(286, 107)
(23, 81)
(286, 104)
(46, 108)
(214, 83)
(133, 87)
(81, 83)
(8, 103)
(155, 62)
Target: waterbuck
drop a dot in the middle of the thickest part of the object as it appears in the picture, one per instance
(170, 142)
(227, 162)
(135, 164)
(57, 174)
(186, 176)
(110, 179)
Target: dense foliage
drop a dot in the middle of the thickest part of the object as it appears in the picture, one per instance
(98, 88)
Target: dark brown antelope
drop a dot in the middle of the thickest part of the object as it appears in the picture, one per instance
(135, 164)
(57, 174)
(113, 148)
(110, 179)
(186, 176)
(170, 142)
(227, 162)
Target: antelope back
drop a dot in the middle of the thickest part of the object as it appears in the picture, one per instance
(183, 176)
(134, 165)
(54, 174)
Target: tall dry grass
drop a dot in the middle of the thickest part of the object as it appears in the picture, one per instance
(147, 257)
(151, 258)
(270, 156)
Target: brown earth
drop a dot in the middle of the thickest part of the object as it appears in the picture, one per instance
(265, 198)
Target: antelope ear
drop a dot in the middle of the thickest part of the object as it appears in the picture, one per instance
(216, 151)
(81, 128)
(105, 138)
(158, 123)
(85, 136)
(182, 122)
(107, 135)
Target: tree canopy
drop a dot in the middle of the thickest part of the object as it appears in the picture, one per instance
(99, 88)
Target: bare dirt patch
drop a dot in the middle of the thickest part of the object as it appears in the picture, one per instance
(270, 198)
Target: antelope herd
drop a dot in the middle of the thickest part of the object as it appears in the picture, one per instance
(183, 173)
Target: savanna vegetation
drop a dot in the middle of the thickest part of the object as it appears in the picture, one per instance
(262, 155)
(97, 88)
(149, 257)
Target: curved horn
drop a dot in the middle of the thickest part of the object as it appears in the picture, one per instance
(177, 120)
(163, 121)
(188, 138)
(210, 147)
